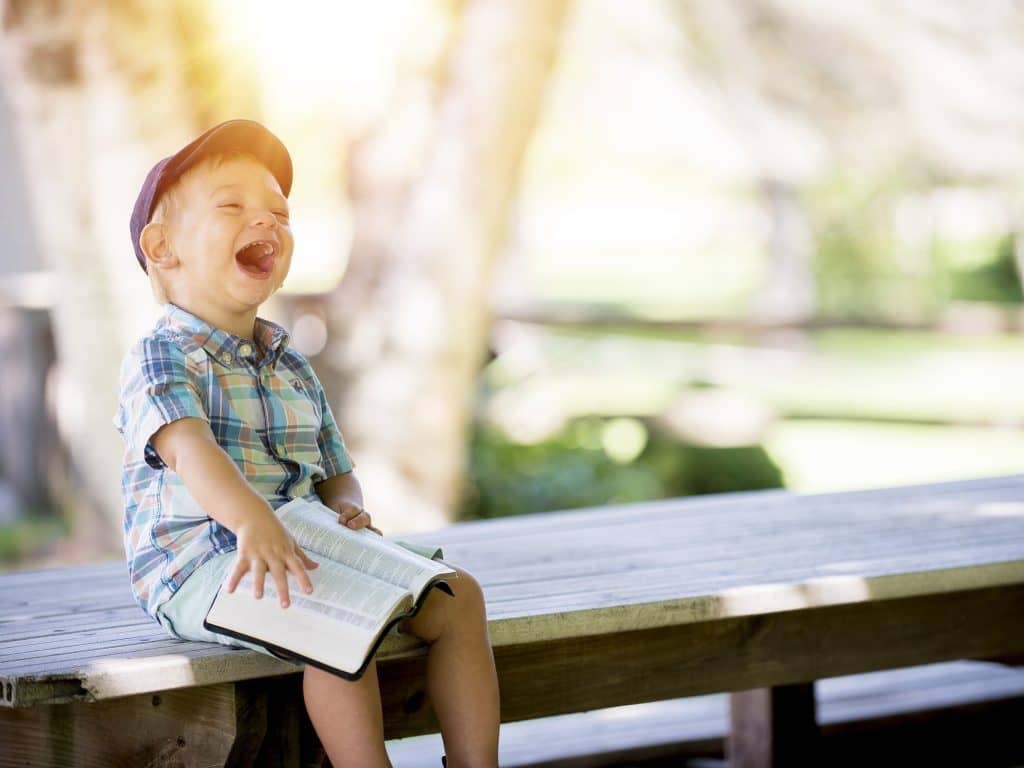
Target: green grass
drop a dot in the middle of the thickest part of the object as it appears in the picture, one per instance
(839, 373)
(825, 456)
(836, 378)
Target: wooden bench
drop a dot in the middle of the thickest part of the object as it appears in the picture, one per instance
(951, 713)
(756, 593)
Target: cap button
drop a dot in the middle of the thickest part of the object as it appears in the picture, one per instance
(226, 358)
(245, 350)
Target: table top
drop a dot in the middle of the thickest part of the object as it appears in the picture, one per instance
(76, 632)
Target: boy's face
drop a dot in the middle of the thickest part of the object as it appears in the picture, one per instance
(231, 241)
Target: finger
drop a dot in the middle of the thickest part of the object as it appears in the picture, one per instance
(280, 577)
(347, 512)
(359, 521)
(259, 571)
(237, 572)
(307, 561)
(378, 531)
(298, 567)
(345, 515)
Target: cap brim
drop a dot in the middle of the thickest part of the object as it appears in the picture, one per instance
(234, 135)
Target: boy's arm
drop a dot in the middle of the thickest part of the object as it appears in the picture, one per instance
(344, 495)
(189, 448)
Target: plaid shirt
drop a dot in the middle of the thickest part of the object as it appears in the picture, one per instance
(264, 405)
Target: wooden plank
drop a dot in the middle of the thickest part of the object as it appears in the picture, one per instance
(112, 638)
(127, 616)
(700, 569)
(554, 588)
(853, 558)
(960, 564)
(670, 566)
(101, 570)
(774, 728)
(556, 593)
(618, 537)
(516, 624)
(862, 724)
(692, 590)
(122, 677)
(748, 522)
(581, 673)
(151, 730)
(176, 664)
(747, 506)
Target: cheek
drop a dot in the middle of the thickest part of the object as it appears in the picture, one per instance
(288, 251)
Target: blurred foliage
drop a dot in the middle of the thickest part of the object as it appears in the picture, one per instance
(29, 537)
(863, 268)
(572, 469)
(994, 279)
(856, 273)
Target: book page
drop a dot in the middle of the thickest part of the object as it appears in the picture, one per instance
(336, 624)
(339, 592)
(316, 529)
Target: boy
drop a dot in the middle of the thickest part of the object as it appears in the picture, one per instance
(223, 423)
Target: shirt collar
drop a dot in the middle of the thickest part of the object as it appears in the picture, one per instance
(227, 348)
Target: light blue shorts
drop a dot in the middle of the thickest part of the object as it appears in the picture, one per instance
(182, 615)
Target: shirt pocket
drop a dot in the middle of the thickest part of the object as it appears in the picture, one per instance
(296, 418)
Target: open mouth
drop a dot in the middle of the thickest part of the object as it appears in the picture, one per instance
(256, 259)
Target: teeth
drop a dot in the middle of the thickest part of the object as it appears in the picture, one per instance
(261, 245)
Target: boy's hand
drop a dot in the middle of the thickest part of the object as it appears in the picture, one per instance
(352, 515)
(342, 494)
(188, 447)
(265, 546)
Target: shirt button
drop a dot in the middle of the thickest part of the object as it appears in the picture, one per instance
(245, 350)
(226, 358)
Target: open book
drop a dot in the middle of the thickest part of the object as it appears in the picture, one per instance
(363, 586)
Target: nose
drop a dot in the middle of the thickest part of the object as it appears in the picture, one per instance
(265, 218)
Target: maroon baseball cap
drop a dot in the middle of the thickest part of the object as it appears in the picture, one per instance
(233, 135)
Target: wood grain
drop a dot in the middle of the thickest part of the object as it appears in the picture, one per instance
(737, 654)
(158, 730)
(581, 572)
(587, 609)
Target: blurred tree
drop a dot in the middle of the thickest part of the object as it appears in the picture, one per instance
(95, 89)
(912, 96)
(431, 190)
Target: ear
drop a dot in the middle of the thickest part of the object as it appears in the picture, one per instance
(154, 244)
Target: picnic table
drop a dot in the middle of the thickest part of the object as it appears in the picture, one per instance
(756, 593)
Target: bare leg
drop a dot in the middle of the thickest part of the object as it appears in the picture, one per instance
(461, 679)
(347, 717)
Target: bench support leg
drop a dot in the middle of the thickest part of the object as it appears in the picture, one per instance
(772, 727)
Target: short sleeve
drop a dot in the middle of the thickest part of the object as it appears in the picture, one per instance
(156, 389)
(332, 446)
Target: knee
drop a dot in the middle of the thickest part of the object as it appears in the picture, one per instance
(469, 595)
(442, 613)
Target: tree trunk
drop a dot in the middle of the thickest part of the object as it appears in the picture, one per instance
(423, 255)
(97, 95)
(788, 292)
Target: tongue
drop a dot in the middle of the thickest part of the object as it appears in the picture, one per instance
(255, 261)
